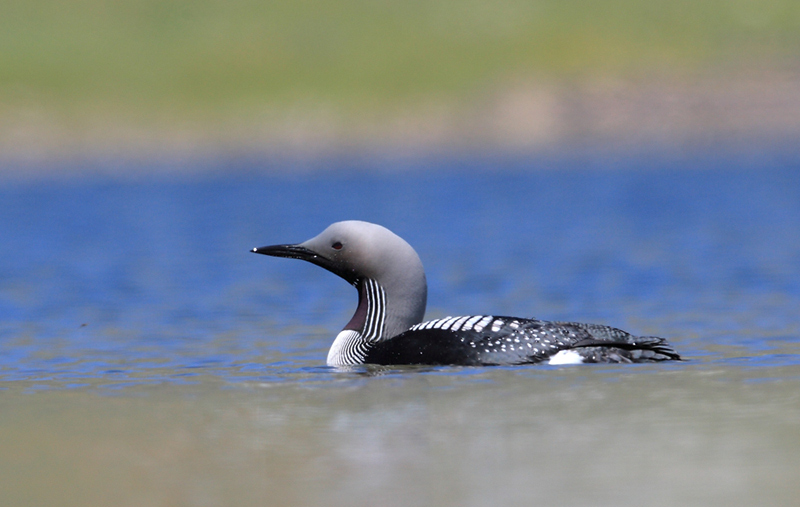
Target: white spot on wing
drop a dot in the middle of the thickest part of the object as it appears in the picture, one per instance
(471, 322)
(430, 324)
(482, 324)
(457, 324)
(446, 323)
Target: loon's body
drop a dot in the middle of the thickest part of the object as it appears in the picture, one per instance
(387, 327)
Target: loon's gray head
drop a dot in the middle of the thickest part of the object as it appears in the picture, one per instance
(384, 268)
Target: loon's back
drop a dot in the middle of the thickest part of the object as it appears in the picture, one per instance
(482, 340)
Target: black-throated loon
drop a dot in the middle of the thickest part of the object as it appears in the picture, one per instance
(387, 327)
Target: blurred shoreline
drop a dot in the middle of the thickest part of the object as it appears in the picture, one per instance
(759, 107)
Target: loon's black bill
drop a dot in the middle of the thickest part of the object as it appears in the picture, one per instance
(305, 254)
(289, 251)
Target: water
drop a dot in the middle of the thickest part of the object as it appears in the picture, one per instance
(147, 358)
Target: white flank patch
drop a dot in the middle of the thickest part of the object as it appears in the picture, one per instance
(566, 357)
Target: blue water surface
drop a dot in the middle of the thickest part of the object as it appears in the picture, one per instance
(133, 279)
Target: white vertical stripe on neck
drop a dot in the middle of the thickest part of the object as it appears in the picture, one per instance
(376, 310)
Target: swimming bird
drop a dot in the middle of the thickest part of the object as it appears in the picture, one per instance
(388, 329)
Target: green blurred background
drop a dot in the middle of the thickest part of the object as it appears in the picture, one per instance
(78, 72)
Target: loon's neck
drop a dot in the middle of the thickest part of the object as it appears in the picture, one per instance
(364, 329)
(370, 318)
(379, 316)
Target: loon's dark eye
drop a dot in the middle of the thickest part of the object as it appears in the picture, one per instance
(337, 246)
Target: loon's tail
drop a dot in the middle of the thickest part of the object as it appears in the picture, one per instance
(635, 349)
(658, 347)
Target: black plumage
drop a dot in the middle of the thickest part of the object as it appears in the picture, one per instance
(509, 340)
